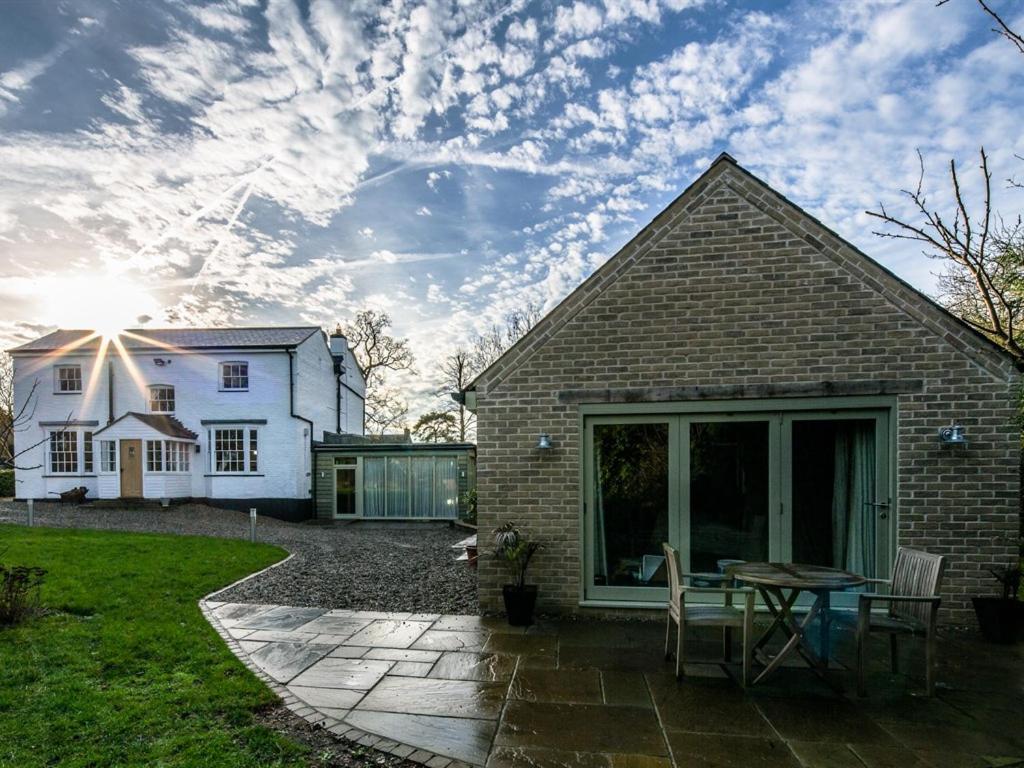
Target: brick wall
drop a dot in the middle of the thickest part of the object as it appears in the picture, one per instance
(732, 285)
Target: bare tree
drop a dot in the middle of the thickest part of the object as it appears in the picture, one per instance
(463, 365)
(435, 427)
(1001, 28)
(457, 372)
(6, 407)
(496, 340)
(982, 280)
(378, 354)
(19, 419)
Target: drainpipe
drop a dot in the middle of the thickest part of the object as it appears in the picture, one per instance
(110, 392)
(291, 404)
(337, 403)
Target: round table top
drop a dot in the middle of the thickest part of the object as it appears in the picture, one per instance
(796, 576)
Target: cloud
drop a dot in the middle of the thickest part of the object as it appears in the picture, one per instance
(265, 162)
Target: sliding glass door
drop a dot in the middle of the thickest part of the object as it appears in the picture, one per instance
(789, 486)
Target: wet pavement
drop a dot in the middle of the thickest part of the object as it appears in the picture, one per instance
(451, 690)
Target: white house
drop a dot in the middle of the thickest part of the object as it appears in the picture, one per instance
(229, 415)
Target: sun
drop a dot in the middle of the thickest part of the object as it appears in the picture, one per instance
(105, 303)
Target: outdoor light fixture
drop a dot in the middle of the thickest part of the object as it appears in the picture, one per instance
(197, 447)
(544, 442)
(954, 434)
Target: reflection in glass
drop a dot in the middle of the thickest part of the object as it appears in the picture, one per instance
(345, 490)
(631, 504)
(728, 493)
(833, 494)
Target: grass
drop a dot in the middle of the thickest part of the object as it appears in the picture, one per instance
(124, 670)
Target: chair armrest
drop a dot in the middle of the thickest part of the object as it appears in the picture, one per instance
(869, 597)
(879, 581)
(719, 590)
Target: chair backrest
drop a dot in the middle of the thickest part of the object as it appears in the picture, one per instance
(916, 574)
(675, 582)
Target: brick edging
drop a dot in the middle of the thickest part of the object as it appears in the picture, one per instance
(337, 728)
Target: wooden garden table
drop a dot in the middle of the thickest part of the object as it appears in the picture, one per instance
(773, 581)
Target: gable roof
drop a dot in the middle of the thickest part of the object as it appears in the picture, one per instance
(786, 213)
(180, 338)
(161, 422)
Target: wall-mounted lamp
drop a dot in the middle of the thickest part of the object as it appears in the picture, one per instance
(954, 434)
(544, 442)
(197, 447)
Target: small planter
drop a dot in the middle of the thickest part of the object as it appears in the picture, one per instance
(519, 604)
(1000, 618)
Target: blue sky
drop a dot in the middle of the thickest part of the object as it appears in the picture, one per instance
(292, 161)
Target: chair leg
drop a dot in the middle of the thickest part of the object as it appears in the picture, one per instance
(748, 642)
(679, 651)
(727, 644)
(668, 634)
(894, 653)
(929, 660)
(861, 639)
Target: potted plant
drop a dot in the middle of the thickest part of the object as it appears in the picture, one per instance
(1001, 618)
(516, 551)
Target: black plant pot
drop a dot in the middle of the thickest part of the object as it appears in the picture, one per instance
(999, 618)
(519, 604)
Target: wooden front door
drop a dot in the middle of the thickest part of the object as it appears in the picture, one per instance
(131, 469)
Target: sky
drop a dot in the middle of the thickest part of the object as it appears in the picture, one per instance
(289, 162)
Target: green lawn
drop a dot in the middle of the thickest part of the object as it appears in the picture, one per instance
(124, 670)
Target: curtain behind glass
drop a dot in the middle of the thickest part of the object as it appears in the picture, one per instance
(398, 487)
(600, 548)
(446, 487)
(422, 486)
(853, 516)
(373, 487)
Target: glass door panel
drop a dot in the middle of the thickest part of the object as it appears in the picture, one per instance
(345, 490)
(839, 499)
(729, 492)
(630, 496)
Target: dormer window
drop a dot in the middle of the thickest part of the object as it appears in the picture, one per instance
(67, 379)
(161, 399)
(234, 377)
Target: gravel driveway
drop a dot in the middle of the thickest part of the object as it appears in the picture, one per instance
(362, 566)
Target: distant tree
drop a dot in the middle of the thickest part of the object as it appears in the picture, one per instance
(436, 427)
(499, 337)
(379, 353)
(463, 365)
(457, 372)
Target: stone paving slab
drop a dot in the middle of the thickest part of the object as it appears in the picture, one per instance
(456, 691)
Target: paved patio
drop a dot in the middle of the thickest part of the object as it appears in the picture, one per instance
(452, 690)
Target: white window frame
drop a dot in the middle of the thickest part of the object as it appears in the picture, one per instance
(154, 457)
(108, 456)
(175, 457)
(58, 380)
(88, 454)
(62, 438)
(164, 388)
(223, 376)
(248, 447)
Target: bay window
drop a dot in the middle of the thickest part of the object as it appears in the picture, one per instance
(235, 450)
(108, 456)
(167, 456)
(63, 446)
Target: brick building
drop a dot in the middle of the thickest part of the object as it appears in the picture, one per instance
(740, 381)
